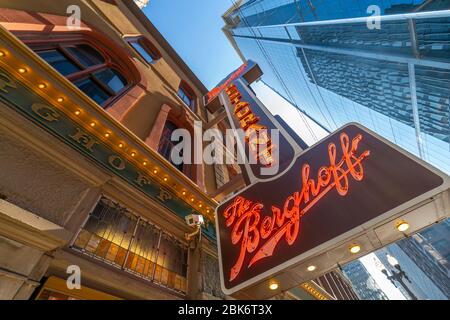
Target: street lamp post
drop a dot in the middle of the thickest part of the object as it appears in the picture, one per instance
(398, 275)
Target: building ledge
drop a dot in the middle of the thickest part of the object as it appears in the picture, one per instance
(25, 227)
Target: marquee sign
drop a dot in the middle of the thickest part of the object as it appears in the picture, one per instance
(266, 154)
(350, 179)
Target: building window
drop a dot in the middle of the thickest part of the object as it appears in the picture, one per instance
(166, 145)
(186, 94)
(144, 48)
(117, 236)
(87, 68)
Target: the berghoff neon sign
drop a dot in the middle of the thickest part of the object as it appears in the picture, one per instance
(260, 236)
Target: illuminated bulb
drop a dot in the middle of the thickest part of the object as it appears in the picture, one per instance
(155, 171)
(2, 54)
(273, 286)
(92, 124)
(41, 85)
(144, 163)
(207, 210)
(22, 70)
(133, 154)
(77, 112)
(183, 193)
(355, 248)
(402, 226)
(120, 145)
(200, 205)
(60, 99)
(192, 199)
(107, 135)
(311, 268)
(165, 179)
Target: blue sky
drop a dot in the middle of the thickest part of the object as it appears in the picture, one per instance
(193, 28)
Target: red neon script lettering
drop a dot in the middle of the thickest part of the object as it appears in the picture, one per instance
(244, 216)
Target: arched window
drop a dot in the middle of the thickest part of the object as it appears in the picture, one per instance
(166, 144)
(92, 72)
(187, 95)
(144, 48)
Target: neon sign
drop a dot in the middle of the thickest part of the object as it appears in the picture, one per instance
(243, 216)
(215, 92)
(256, 134)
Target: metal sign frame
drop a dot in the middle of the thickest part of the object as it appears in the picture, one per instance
(337, 241)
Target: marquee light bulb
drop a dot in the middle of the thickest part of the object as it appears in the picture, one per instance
(92, 124)
(22, 70)
(133, 154)
(77, 112)
(120, 145)
(144, 163)
(183, 193)
(107, 135)
(165, 178)
(41, 85)
(311, 268)
(402, 226)
(60, 99)
(355, 248)
(2, 54)
(155, 171)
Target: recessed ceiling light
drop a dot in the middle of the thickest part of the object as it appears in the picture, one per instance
(273, 286)
(311, 268)
(402, 226)
(355, 248)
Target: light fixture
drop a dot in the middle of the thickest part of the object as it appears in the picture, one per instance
(60, 99)
(77, 112)
(41, 85)
(2, 54)
(273, 285)
(144, 163)
(192, 199)
(22, 70)
(107, 135)
(355, 248)
(200, 205)
(133, 154)
(207, 210)
(92, 124)
(311, 268)
(183, 193)
(120, 145)
(165, 179)
(155, 171)
(402, 226)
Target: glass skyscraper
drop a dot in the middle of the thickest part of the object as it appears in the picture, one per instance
(382, 63)
(363, 283)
